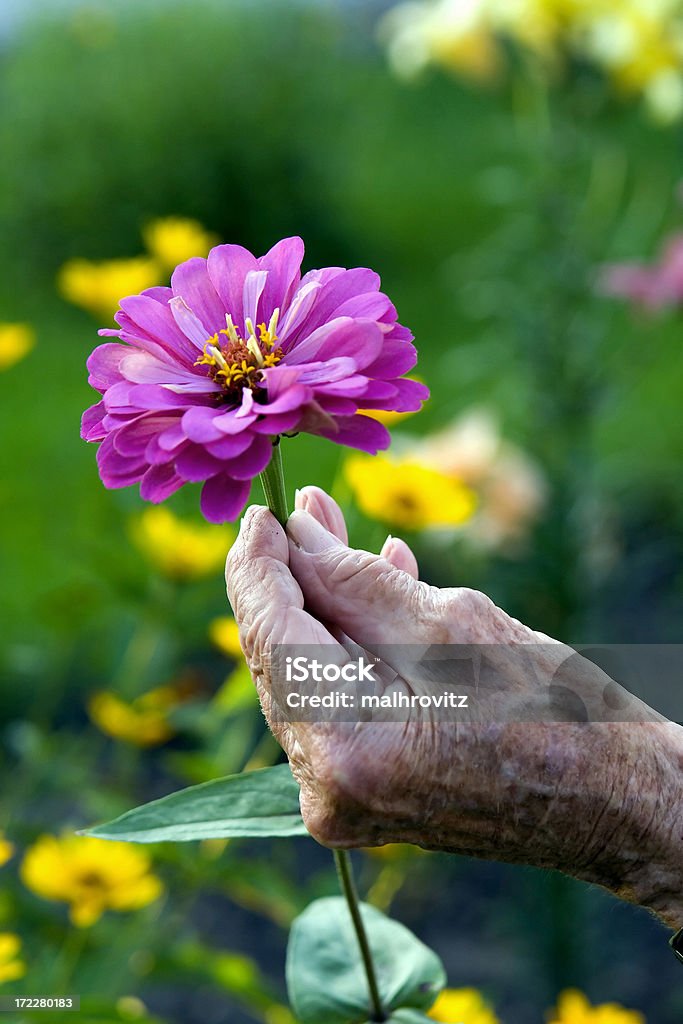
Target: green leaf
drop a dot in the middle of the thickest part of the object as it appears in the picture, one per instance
(406, 1016)
(254, 804)
(326, 980)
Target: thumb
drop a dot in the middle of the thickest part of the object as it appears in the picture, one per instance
(371, 600)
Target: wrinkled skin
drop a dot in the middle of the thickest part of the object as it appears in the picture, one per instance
(601, 800)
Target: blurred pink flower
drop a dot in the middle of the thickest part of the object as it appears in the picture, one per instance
(652, 287)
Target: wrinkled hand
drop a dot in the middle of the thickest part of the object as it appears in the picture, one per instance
(594, 800)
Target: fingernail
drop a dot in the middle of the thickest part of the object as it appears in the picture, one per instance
(308, 534)
(299, 498)
(387, 544)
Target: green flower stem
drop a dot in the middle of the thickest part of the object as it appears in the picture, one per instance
(273, 481)
(344, 867)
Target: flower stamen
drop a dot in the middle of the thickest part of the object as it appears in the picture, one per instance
(237, 362)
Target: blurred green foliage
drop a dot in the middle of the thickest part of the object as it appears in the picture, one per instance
(487, 214)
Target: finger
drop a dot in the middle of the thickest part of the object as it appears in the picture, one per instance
(268, 607)
(266, 599)
(399, 554)
(363, 594)
(323, 508)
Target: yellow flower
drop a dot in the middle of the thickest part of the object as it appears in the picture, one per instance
(181, 550)
(143, 722)
(574, 1008)
(224, 633)
(407, 493)
(6, 850)
(464, 1005)
(91, 875)
(171, 240)
(16, 341)
(11, 967)
(453, 33)
(98, 287)
(639, 46)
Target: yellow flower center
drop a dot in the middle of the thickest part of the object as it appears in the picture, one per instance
(91, 880)
(235, 362)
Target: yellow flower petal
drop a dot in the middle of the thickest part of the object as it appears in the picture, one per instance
(6, 850)
(171, 240)
(407, 494)
(99, 287)
(10, 945)
(136, 894)
(224, 633)
(465, 1005)
(16, 341)
(11, 967)
(574, 1008)
(91, 875)
(143, 723)
(179, 549)
(86, 913)
(12, 971)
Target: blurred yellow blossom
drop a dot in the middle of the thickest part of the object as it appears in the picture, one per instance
(407, 493)
(142, 722)
(638, 44)
(464, 1005)
(11, 967)
(91, 875)
(181, 550)
(453, 34)
(224, 633)
(510, 488)
(16, 341)
(465, 35)
(574, 1008)
(171, 240)
(98, 287)
(6, 850)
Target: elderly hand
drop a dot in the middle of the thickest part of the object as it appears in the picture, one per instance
(601, 800)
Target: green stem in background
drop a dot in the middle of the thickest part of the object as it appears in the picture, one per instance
(342, 860)
(273, 481)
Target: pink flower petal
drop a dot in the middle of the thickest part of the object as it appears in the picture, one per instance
(358, 432)
(133, 439)
(191, 282)
(190, 324)
(283, 263)
(159, 483)
(104, 365)
(92, 428)
(228, 266)
(223, 498)
(254, 283)
(143, 316)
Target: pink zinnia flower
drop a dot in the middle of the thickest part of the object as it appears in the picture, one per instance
(236, 352)
(651, 287)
